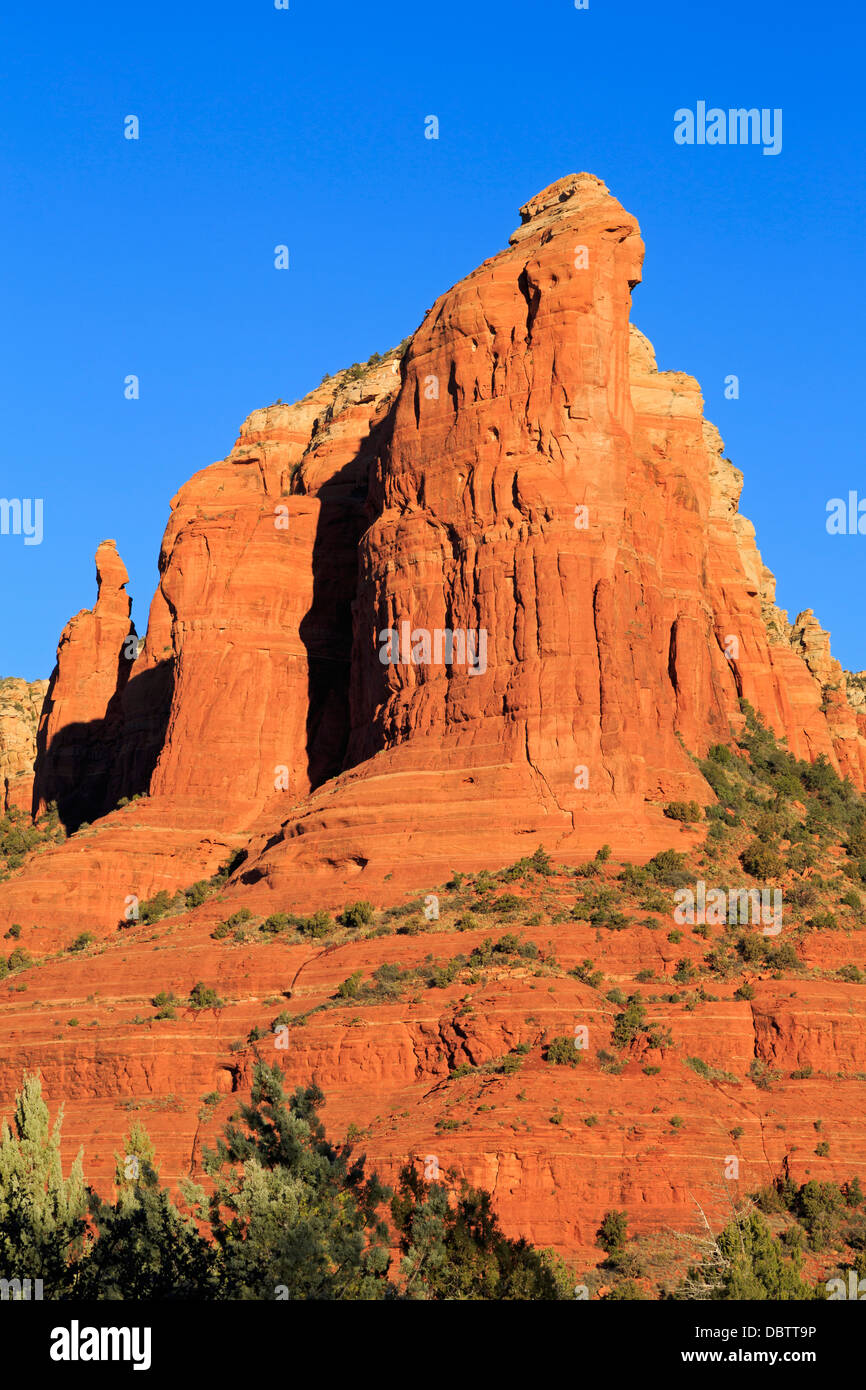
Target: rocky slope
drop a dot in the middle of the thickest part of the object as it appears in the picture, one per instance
(521, 470)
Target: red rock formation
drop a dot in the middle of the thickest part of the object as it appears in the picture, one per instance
(93, 662)
(386, 1067)
(525, 471)
(540, 480)
(20, 708)
(241, 683)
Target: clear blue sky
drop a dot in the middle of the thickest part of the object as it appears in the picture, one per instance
(306, 127)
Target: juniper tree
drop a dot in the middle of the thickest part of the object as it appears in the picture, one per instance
(146, 1247)
(293, 1215)
(453, 1248)
(746, 1261)
(43, 1232)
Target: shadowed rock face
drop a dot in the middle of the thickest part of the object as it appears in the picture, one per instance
(104, 717)
(93, 663)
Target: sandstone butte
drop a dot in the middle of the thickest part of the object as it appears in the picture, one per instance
(520, 467)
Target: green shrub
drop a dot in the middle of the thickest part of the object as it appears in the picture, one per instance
(511, 945)
(468, 922)
(163, 999)
(317, 926)
(587, 974)
(820, 1206)
(856, 842)
(197, 893)
(204, 997)
(359, 915)
(761, 1074)
(152, 909)
(612, 1234)
(761, 860)
(668, 868)
(630, 1022)
(276, 924)
(824, 921)
(561, 1052)
(350, 987)
(591, 869)
(509, 1064)
(746, 1262)
(802, 895)
(540, 861)
(441, 976)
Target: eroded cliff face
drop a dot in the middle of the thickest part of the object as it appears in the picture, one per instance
(237, 701)
(522, 471)
(557, 1146)
(20, 708)
(522, 477)
(541, 482)
(94, 656)
(258, 570)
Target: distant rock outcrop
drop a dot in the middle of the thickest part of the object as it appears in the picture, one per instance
(20, 708)
(94, 657)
